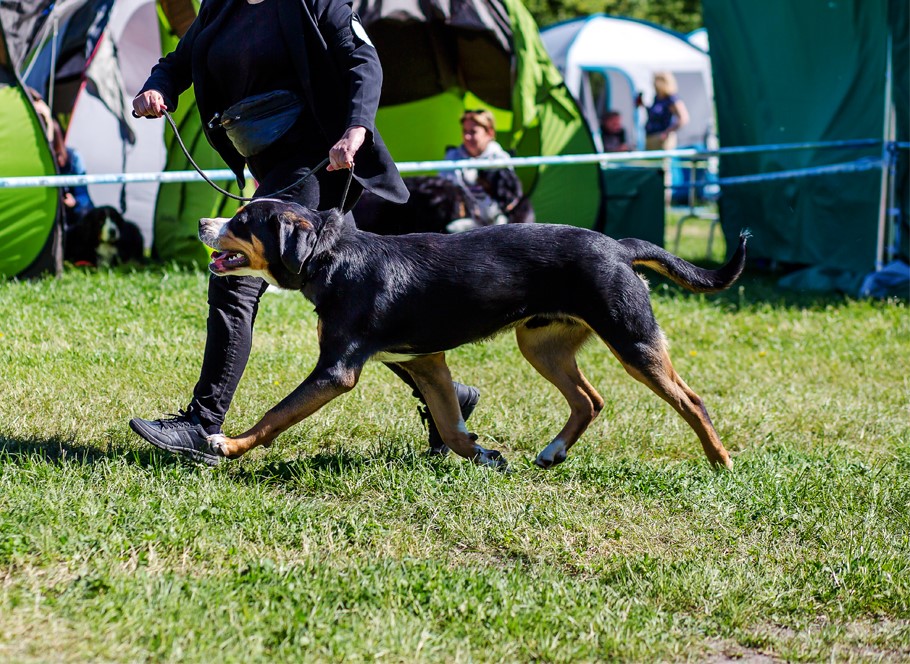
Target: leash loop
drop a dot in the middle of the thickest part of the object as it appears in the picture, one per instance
(322, 164)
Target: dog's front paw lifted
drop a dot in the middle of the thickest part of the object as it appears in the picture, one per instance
(490, 459)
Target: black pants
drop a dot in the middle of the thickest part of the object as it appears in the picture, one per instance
(234, 301)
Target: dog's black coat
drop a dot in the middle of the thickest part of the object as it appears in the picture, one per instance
(436, 201)
(90, 242)
(424, 293)
(405, 299)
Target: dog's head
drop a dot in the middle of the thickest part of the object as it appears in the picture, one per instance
(104, 224)
(267, 238)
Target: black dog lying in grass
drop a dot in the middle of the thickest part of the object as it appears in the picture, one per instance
(103, 238)
(407, 299)
(436, 201)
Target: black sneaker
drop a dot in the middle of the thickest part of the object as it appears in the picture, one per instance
(179, 434)
(467, 400)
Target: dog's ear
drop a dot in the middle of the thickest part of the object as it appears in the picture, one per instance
(296, 241)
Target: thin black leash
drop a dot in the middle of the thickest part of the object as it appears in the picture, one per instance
(322, 164)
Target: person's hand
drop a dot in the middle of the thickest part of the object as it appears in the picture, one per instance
(149, 104)
(341, 155)
(69, 200)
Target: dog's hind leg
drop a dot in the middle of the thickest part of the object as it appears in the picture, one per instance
(550, 347)
(650, 363)
(431, 373)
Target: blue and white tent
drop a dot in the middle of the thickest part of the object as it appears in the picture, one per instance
(607, 60)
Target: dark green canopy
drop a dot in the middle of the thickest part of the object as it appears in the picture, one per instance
(789, 72)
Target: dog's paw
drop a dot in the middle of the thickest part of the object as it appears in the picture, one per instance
(723, 464)
(552, 455)
(491, 459)
(218, 444)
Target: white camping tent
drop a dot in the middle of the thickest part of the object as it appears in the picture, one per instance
(98, 53)
(109, 139)
(699, 38)
(607, 60)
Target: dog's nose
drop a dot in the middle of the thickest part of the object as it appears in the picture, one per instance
(207, 225)
(209, 229)
(215, 222)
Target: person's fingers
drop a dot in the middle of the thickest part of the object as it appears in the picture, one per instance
(149, 104)
(340, 157)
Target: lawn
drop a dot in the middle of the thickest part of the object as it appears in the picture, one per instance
(344, 542)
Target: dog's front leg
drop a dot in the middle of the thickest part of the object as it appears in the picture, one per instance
(431, 373)
(328, 380)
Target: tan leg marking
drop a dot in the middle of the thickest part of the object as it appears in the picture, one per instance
(318, 389)
(551, 351)
(433, 379)
(662, 378)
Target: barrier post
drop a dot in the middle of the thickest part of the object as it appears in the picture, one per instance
(887, 129)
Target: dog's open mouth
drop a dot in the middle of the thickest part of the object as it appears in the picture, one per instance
(226, 261)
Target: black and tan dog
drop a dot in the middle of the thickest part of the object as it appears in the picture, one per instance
(103, 238)
(406, 300)
(436, 201)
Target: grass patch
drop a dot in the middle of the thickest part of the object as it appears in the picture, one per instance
(344, 543)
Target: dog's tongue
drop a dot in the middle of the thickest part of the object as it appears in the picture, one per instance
(222, 260)
(218, 259)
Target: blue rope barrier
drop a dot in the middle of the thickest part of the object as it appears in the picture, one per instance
(604, 159)
(866, 164)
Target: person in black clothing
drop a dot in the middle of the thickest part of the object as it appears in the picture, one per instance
(234, 50)
(612, 133)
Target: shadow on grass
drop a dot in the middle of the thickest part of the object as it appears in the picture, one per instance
(64, 449)
(338, 462)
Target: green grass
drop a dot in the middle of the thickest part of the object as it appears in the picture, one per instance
(344, 543)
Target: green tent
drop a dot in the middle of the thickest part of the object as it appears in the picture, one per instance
(29, 230)
(98, 42)
(442, 58)
(791, 72)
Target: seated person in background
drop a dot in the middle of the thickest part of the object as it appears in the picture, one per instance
(478, 135)
(612, 133)
(76, 200)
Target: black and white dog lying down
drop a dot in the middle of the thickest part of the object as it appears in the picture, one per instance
(436, 202)
(407, 299)
(103, 238)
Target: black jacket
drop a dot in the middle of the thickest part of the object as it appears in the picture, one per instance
(339, 73)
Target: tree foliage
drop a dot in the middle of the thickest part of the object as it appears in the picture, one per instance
(680, 15)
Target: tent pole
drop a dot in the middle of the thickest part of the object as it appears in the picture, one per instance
(51, 84)
(886, 170)
(891, 235)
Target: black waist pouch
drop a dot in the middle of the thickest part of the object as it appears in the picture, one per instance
(254, 123)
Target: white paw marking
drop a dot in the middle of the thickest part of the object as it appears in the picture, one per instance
(217, 443)
(552, 454)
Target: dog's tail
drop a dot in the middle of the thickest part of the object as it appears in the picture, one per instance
(682, 272)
